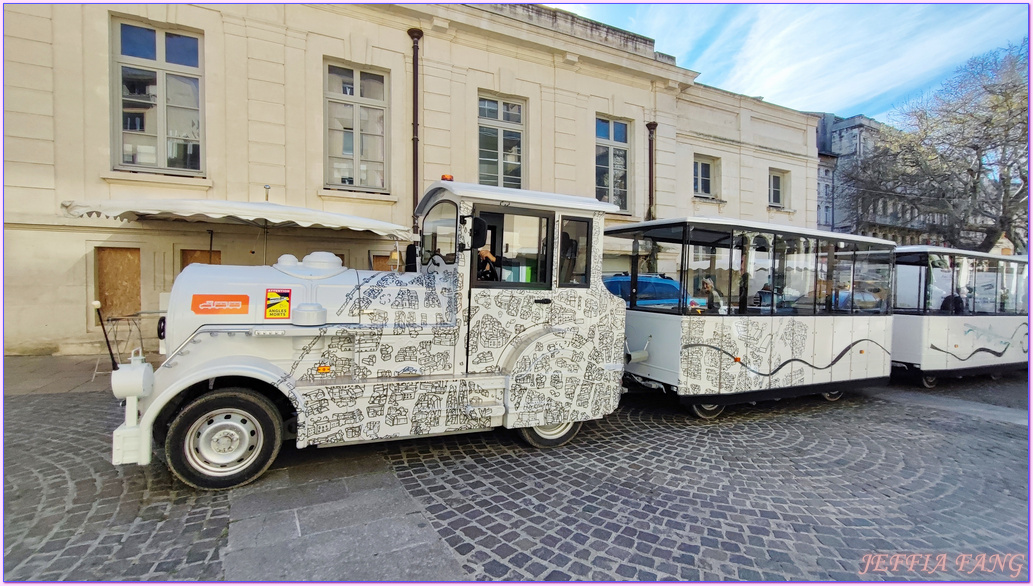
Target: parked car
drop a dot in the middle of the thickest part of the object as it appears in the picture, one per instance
(653, 290)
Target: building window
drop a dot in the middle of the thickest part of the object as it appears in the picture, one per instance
(704, 177)
(159, 88)
(777, 184)
(500, 142)
(356, 128)
(611, 162)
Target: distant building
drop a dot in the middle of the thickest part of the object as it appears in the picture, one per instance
(841, 143)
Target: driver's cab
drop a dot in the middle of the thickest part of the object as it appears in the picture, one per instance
(528, 266)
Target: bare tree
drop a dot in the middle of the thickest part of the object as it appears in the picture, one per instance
(961, 158)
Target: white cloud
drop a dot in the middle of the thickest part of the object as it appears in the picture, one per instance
(827, 57)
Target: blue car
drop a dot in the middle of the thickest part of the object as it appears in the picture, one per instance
(653, 290)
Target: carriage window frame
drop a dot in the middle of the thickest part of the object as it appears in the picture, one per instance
(920, 261)
(587, 254)
(549, 239)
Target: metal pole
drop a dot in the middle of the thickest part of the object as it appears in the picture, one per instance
(415, 34)
(651, 212)
(114, 363)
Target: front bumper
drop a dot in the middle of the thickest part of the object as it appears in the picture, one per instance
(130, 445)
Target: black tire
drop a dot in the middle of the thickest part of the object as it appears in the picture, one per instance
(224, 439)
(707, 411)
(550, 436)
(927, 381)
(833, 395)
(997, 375)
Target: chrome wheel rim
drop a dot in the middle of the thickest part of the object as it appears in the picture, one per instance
(553, 431)
(833, 396)
(708, 407)
(223, 442)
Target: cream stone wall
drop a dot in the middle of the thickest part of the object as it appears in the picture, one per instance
(263, 121)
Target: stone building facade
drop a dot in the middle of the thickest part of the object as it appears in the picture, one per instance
(312, 106)
(841, 143)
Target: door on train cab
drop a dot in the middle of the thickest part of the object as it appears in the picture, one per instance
(512, 284)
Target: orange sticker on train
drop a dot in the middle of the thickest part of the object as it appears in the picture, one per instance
(220, 304)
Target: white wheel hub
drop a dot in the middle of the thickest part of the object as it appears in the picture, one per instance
(553, 431)
(223, 442)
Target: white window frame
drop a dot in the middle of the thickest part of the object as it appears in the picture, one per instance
(162, 69)
(357, 103)
(610, 144)
(713, 182)
(778, 188)
(503, 126)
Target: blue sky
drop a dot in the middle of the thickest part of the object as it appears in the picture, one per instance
(842, 58)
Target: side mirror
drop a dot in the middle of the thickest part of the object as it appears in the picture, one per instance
(478, 233)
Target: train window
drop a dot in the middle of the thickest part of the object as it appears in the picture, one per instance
(909, 281)
(984, 287)
(439, 232)
(518, 252)
(575, 255)
(793, 279)
(871, 280)
(939, 291)
(835, 277)
(1009, 298)
(708, 259)
(658, 252)
(964, 283)
(751, 271)
(1023, 306)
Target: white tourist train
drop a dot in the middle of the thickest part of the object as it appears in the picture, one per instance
(326, 355)
(959, 312)
(724, 311)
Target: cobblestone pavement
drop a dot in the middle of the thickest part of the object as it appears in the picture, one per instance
(793, 490)
(70, 515)
(799, 489)
(975, 388)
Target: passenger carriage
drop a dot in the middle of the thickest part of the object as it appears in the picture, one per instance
(959, 312)
(786, 311)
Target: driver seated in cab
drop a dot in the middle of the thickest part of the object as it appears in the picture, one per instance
(489, 266)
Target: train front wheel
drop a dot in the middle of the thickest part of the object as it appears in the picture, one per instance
(550, 436)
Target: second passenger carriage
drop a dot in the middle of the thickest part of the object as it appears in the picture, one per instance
(750, 310)
(959, 312)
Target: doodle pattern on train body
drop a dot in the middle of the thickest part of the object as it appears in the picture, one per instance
(410, 325)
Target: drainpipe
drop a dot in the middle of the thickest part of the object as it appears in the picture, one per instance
(415, 34)
(651, 212)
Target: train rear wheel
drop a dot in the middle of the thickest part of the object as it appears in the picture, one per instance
(707, 411)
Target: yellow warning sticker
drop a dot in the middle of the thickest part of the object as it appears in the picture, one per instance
(277, 304)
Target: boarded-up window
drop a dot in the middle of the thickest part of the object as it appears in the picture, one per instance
(382, 262)
(188, 257)
(118, 280)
